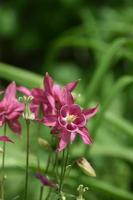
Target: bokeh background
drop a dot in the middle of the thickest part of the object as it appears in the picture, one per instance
(90, 40)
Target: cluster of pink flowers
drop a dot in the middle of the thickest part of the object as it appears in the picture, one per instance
(58, 111)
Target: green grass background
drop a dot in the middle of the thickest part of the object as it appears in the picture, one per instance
(72, 39)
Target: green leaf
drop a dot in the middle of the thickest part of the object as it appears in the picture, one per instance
(107, 59)
(116, 89)
(120, 123)
(21, 76)
(118, 151)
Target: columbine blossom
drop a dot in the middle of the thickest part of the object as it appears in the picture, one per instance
(69, 122)
(64, 116)
(49, 99)
(11, 109)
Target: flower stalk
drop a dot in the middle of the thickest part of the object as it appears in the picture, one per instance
(27, 158)
(3, 167)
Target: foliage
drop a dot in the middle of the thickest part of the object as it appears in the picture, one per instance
(72, 40)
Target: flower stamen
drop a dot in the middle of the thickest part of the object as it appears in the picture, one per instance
(70, 118)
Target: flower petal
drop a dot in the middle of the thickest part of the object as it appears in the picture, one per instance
(48, 84)
(24, 90)
(67, 98)
(5, 139)
(75, 110)
(15, 126)
(10, 92)
(71, 86)
(90, 112)
(80, 121)
(85, 135)
(65, 139)
(50, 120)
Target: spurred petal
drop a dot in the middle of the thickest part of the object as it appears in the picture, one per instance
(67, 97)
(90, 112)
(5, 139)
(24, 90)
(48, 83)
(10, 92)
(15, 126)
(50, 120)
(85, 135)
(71, 86)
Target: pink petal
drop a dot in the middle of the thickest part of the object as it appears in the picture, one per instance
(75, 110)
(71, 86)
(48, 83)
(71, 127)
(90, 112)
(5, 139)
(64, 111)
(73, 136)
(67, 97)
(24, 90)
(57, 92)
(50, 120)
(51, 101)
(15, 126)
(80, 121)
(10, 92)
(65, 139)
(85, 135)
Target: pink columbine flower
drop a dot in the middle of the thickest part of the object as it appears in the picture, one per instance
(11, 109)
(70, 121)
(45, 181)
(50, 98)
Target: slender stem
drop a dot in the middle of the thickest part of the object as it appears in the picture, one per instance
(3, 167)
(53, 170)
(63, 170)
(41, 192)
(27, 159)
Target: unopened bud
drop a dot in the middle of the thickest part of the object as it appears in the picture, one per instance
(86, 167)
(44, 143)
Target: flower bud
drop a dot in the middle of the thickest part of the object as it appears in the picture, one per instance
(43, 143)
(86, 167)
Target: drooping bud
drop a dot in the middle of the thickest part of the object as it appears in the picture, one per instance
(86, 167)
(44, 143)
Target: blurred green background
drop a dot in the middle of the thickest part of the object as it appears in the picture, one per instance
(71, 39)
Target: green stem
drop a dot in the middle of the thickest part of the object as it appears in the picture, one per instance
(27, 158)
(53, 170)
(62, 170)
(46, 170)
(41, 192)
(3, 167)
